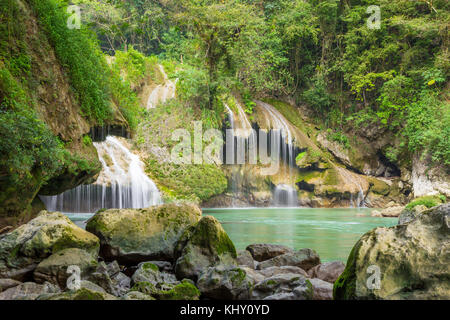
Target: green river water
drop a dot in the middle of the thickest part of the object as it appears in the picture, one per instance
(331, 232)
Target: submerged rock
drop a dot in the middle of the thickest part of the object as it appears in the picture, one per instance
(54, 268)
(50, 232)
(203, 245)
(262, 252)
(328, 271)
(411, 261)
(225, 283)
(304, 259)
(28, 291)
(131, 236)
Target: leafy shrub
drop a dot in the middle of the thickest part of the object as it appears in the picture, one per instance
(427, 201)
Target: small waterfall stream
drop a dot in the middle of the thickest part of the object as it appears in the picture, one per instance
(162, 93)
(121, 184)
(285, 196)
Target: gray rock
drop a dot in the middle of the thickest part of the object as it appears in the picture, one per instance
(272, 271)
(283, 286)
(54, 268)
(262, 252)
(24, 248)
(136, 295)
(203, 245)
(148, 272)
(111, 279)
(8, 283)
(91, 286)
(304, 259)
(28, 291)
(322, 290)
(328, 271)
(163, 265)
(244, 258)
(225, 283)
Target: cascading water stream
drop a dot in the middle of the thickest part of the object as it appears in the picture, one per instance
(121, 184)
(162, 93)
(285, 196)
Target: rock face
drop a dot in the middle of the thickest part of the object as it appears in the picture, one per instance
(304, 259)
(133, 236)
(225, 282)
(203, 245)
(24, 248)
(328, 271)
(54, 268)
(28, 291)
(261, 251)
(413, 260)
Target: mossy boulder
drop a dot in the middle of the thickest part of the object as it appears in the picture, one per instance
(54, 268)
(412, 258)
(84, 294)
(50, 232)
(225, 283)
(131, 236)
(185, 290)
(203, 245)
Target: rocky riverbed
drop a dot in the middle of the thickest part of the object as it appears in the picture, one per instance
(172, 252)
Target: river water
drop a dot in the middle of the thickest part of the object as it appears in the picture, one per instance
(331, 232)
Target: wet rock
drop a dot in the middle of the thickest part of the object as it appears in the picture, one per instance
(225, 283)
(54, 268)
(131, 236)
(28, 291)
(203, 245)
(50, 232)
(263, 252)
(283, 287)
(412, 258)
(304, 259)
(322, 290)
(8, 283)
(328, 271)
(244, 258)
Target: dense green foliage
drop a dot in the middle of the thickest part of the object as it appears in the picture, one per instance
(320, 52)
(77, 50)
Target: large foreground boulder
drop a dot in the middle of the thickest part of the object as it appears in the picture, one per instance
(203, 245)
(411, 261)
(24, 248)
(131, 236)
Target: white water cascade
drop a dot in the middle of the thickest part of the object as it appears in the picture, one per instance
(277, 121)
(162, 93)
(285, 196)
(121, 184)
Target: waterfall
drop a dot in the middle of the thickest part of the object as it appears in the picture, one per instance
(277, 121)
(360, 198)
(162, 93)
(121, 184)
(285, 196)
